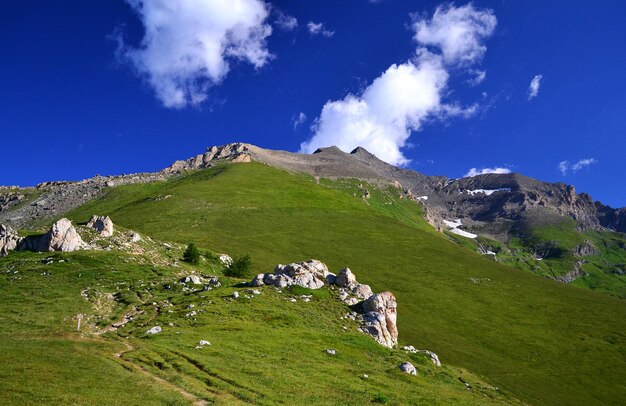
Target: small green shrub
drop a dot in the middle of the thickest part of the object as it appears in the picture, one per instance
(240, 267)
(192, 254)
(381, 398)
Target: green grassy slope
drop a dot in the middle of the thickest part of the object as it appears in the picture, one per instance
(546, 342)
(556, 244)
(265, 349)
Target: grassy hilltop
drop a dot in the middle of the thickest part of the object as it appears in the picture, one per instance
(546, 342)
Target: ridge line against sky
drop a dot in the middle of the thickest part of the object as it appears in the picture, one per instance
(426, 86)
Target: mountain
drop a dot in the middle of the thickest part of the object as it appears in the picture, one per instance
(535, 339)
(546, 228)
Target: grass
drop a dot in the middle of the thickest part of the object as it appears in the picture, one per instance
(546, 342)
(605, 271)
(265, 349)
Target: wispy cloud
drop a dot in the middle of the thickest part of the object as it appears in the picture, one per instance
(298, 120)
(566, 167)
(319, 29)
(188, 44)
(483, 171)
(535, 85)
(477, 77)
(382, 117)
(285, 21)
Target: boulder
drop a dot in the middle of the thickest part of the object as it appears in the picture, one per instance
(225, 260)
(154, 330)
(61, 237)
(102, 224)
(193, 279)
(408, 368)
(433, 357)
(379, 318)
(9, 240)
(257, 280)
(310, 274)
(345, 278)
(135, 237)
(362, 291)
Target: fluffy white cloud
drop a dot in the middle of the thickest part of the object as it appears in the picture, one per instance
(319, 29)
(533, 88)
(382, 117)
(566, 166)
(483, 171)
(285, 21)
(458, 31)
(298, 120)
(188, 44)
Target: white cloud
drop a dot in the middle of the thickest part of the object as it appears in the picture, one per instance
(298, 120)
(533, 88)
(319, 29)
(188, 44)
(382, 117)
(483, 171)
(458, 31)
(478, 77)
(285, 21)
(566, 166)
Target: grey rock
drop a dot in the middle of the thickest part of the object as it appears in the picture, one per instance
(154, 330)
(193, 279)
(408, 368)
(380, 317)
(345, 278)
(309, 274)
(62, 236)
(9, 240)
(101, 224)
(433, 357)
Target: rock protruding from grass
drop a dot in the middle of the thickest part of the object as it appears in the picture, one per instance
(8, 240)
(102, 224)
(61, 237)
(379, 310)
(379, 318)
(309, 274)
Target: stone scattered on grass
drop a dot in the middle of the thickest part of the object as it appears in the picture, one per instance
(154, 330)
(408, 368)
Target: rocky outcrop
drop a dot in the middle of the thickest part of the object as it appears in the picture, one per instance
(61, 237)
(102, 224)
(572, 275)
(21, 207)
(310, 274)
(378, 311)
(9, 240)
(585, 249)
(351, 292)
(235, 152)
(379, 318)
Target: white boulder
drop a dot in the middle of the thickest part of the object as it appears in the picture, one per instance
(102, 224)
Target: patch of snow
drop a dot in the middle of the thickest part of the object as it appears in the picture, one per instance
(422, 198)
(487, 192)
(454, 229)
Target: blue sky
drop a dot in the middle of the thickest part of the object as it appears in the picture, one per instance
(81, 94)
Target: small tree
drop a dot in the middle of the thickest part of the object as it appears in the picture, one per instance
(192, 254)
(240, 267)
